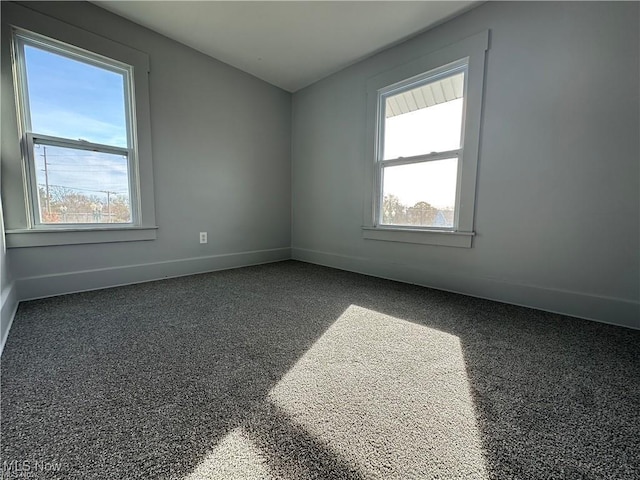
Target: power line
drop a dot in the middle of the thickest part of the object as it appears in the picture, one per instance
(85, 189)
(70, 168)
(84, 155)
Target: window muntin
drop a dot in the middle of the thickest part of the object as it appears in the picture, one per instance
(420, 124)
(76, 115)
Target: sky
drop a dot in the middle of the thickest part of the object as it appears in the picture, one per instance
(433, 129)
(76, 100)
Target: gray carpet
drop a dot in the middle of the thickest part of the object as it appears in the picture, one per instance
(295, 371)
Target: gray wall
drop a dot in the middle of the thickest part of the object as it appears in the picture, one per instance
(558, 207)
(221, 160)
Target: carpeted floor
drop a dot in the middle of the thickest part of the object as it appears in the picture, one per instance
(295, 371)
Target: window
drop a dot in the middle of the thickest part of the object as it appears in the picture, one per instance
(79, 144)
(424, 126)
(83, 124)
(420, 139)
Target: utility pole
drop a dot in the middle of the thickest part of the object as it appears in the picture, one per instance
(46, 178)
(108, 203)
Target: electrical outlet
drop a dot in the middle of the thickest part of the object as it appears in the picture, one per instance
(203, 237)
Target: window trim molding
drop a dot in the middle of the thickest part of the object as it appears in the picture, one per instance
(75, 236)
(19, 218)
(443, 237)
(472, 49)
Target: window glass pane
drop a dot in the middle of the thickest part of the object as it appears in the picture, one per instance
(424, 119)
(72, 99)
(420, 194)
(80, 186)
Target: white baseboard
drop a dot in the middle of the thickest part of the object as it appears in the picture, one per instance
(42, 286)
(615, 311)
(8, 307)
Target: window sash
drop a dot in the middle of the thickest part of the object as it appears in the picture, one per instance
(450, 70)
(23, 38)
(32, 139)
(410, 161)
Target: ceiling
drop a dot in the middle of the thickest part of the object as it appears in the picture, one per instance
(289, 44)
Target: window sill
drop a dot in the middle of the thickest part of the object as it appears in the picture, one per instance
(424, 237)
(76, 236)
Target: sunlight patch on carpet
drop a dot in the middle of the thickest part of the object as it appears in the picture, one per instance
(387, 395)
(234, 457)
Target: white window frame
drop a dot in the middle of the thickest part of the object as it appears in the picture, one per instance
(443, 72)
(22, 38)
(23, 226)
(468, 55)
